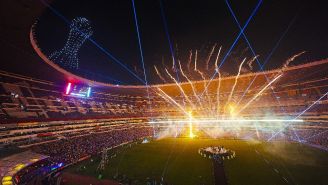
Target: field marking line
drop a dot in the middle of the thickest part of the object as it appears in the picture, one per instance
(275, 169)
(266, 161)
(285, 179)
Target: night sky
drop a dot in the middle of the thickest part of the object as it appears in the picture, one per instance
(191, 25)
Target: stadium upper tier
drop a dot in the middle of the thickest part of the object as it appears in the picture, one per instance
(25, 98)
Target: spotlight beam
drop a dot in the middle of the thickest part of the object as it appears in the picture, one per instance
(258, 62)
(300, 114)
(173, 101)
(191, 84)
(141, 52)
(235, 41)
(314, 103)
(181, 89)
(259, 93)
(168, 37)
(316, 135)
(252, 50)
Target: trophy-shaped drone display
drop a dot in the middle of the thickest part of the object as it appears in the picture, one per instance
(80, 30)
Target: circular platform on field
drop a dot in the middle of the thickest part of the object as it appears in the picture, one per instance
(213, 152)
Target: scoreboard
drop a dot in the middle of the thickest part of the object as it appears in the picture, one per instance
(78, 90)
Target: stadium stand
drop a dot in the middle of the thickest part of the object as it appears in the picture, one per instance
(37, 115)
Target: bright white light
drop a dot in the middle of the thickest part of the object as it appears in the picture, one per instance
(225, 121)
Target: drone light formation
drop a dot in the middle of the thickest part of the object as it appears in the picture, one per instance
(80, 31)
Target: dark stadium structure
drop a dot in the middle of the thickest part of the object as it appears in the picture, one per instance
(49, 125)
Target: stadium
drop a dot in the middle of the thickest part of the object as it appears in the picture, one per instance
(74, 113)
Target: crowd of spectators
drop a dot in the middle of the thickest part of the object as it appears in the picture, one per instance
(314, 137)
(70, 150)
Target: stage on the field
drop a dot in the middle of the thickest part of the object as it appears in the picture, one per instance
(178, 162)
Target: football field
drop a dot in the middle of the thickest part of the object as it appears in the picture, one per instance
(177, 162)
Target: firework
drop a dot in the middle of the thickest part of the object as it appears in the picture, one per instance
(288, 61)
(189, 61)
(218, 93)
(191, 84)
(159, 74)
(195, 60)
(209, 56)
(224, 117)
(236, 80)
(205, 87)
(181, 89)
(202, 76)
(217, 58)
(250, 62)
(167, 97)
(219, 85)
(173, 64)
(260, 93)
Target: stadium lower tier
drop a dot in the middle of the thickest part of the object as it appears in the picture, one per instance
(60, 152)
(64, 149)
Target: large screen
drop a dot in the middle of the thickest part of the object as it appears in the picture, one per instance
(78, 90)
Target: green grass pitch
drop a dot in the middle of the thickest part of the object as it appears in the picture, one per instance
(178, 161)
